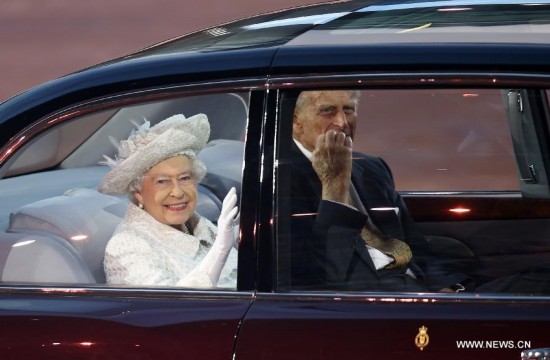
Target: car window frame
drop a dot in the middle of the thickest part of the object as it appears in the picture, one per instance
(255, 87)
(401, 80)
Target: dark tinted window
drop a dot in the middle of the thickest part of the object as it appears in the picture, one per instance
(436, 169)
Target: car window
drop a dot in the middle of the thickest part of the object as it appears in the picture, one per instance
(432, 138)
(55, 225)
(438, 199)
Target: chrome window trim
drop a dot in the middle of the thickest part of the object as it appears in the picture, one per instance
(122, 292)
(414, 79)
(476, 194)
(399, 297)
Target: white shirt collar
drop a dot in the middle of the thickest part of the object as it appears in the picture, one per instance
(304, 151)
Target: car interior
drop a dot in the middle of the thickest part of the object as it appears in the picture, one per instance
(55, 224)
(463, 161)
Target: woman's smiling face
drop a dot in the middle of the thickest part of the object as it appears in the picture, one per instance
(169, 191)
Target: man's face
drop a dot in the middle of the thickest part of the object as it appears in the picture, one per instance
(322, 111)
(169, 191)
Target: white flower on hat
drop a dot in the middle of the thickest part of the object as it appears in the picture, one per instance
(146, 146)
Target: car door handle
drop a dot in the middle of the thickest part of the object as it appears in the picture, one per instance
(536, 354)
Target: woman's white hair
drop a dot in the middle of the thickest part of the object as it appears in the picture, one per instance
(198, 171)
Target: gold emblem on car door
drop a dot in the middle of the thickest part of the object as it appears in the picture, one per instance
(422, 339)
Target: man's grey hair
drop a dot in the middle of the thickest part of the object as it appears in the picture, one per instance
(308, 95)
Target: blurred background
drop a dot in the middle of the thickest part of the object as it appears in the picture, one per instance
(41, 40)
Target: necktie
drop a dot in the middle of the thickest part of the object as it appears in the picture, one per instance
(396, 249)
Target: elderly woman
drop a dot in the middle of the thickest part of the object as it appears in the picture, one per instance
(162, 240)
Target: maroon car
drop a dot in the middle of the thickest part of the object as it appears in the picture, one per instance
(454, 99)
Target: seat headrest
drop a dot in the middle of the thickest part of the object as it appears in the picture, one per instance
(224, 164)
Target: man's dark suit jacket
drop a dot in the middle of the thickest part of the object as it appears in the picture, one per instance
(327, 251)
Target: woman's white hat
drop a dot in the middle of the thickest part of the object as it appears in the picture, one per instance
(147, 146)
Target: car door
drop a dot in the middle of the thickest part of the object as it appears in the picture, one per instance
(453, 152)
(54, 299)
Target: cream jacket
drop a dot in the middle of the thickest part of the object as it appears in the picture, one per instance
(145, 252)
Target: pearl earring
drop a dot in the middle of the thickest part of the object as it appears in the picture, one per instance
(140, 205)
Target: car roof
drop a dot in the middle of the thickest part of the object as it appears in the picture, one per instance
(363, 22)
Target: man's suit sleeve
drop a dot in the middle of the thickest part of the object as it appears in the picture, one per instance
(323, 245)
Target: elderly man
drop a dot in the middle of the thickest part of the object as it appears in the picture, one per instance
(350, 228)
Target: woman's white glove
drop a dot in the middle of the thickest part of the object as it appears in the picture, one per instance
(214, 261)
(228, 222)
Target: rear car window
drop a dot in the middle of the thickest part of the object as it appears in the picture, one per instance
(442, 182)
